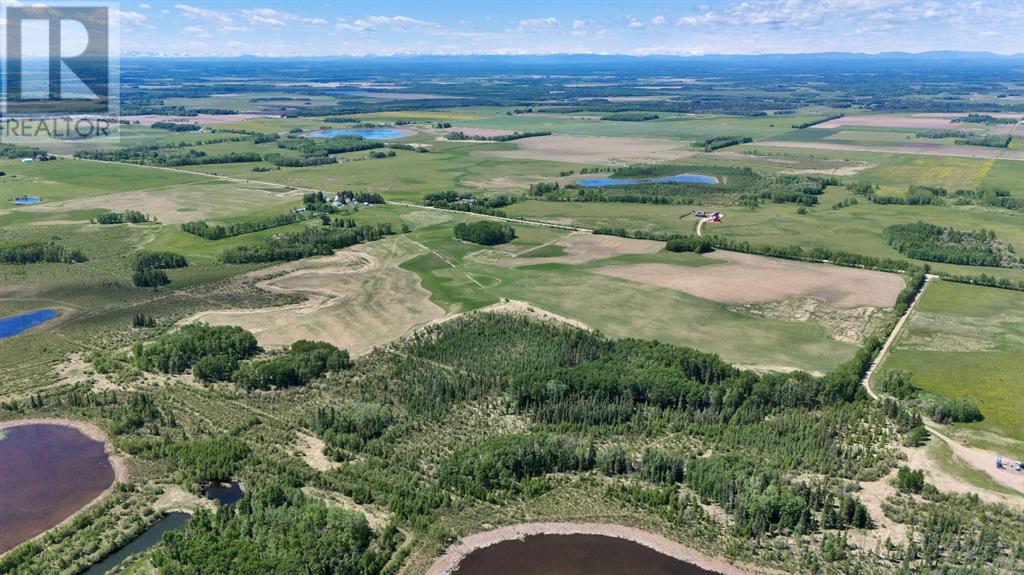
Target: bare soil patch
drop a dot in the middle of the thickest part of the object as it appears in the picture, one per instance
(356, 299)
(175, 498)
(851, 170)
(889, 121)
(449, 562)
(581, 248)
(850, 325)
(750, 279)
(593, 149)
(482, 132)
(312, 448)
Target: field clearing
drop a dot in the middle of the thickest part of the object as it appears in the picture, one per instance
(580, 248)
(968, 341)
(59, 180)
(358, 299)
(669, 126)
(855, 228)
(592, 149)
(746, 279)
(914, 148)
(176, 204)
(460, 279)
(890, 121)
(201, 119)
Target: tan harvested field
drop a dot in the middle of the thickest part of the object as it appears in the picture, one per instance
(150, 119)
(581, 248)
(1016, 116)
(920, 148)
(890, 121)
(357, 299)
(182, 203)
(748, 279)
(593, 149)
(482, 132)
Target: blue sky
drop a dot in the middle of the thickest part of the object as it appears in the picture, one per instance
(324, 28)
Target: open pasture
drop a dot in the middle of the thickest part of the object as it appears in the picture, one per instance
(64, 179)
(565, 278)
(581, 248)
(356, 299)
(668, 127)
(592, 149)
(968, 341)
(175, 204)
(745, 278)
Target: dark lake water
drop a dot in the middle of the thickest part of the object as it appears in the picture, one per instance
(573, 555)
(223, 493)
(368, 133)
(47, 473)
(677, 179)
(15, 324)
(149, 538)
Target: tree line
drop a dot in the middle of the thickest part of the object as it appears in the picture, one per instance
(218, 231)
(485, 232)
(40, 252)
(309, 242)
(127, 216)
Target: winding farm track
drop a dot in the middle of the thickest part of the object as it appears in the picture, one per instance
(979, 459)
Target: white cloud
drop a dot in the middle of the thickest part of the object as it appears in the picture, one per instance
(203, 13)
(277, 18)
(634, 23)
(143, 6)
(658, 20)
(131, 17)
(579, 24)
(236, 29)
(394, 23)
(538, 24)
(196, 31)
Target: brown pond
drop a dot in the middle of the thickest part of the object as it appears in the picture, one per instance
(47, 473)
(572, 555)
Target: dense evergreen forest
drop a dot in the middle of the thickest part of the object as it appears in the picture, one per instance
(663, 430)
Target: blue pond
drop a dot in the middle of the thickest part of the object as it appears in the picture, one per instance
(368, 133)
(26, 200)
(12, 326)
(678, 179)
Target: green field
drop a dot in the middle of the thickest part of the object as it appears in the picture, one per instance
(463, 276)
(968, 341)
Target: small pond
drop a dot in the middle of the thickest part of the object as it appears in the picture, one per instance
(149, 538)
(26, 200)
(573, 555)
(47, 473)
(223, 493)
(368, 133)
(677, 179)
(15, 324)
